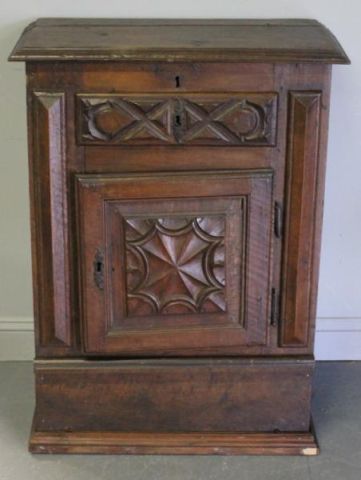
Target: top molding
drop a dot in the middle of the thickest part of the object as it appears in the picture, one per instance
(130, 40)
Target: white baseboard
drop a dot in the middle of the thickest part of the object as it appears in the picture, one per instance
(16, 338)
(336, 338)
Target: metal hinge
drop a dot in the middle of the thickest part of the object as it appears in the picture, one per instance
(278, 219)
(274, 307)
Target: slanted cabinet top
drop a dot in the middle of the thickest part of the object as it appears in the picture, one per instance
(297, 40)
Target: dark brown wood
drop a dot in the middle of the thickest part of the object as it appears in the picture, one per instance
(295, 40)
(114, 159)
(244, 119)
(161, 295)
(302, 169)
(176, 179)
(174, 396)
(50, 236)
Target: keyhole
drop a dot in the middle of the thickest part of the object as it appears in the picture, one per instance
(177, 81)
(178, 120)
(99, 267)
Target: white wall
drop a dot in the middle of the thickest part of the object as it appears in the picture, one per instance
(339, 307)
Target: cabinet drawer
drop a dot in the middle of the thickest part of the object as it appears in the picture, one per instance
(166, 119)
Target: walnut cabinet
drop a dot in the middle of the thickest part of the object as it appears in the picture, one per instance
(176, 180)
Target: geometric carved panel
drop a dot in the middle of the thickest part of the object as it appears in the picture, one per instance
(120, 120)
(242, 119)
(185, 261)
(235, 121)
(175, 265)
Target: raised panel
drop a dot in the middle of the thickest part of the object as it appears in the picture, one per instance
(301, 178)
(237, 119)
(183, 268)
(179, 271)
(175, 265)
(51, 255)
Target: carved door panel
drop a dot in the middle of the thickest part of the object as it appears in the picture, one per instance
(175, 264)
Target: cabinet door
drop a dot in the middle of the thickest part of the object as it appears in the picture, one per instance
(175, 263)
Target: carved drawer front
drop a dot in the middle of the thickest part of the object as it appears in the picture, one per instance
(236, 119)
(174, 263)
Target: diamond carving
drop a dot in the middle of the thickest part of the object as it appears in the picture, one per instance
(175, 265)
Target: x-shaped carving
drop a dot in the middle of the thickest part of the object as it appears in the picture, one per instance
(141, 120)
(211, 120)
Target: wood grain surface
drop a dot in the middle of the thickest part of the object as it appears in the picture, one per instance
(178, 40)
(177, 173)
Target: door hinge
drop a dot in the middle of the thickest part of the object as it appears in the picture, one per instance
(278, 219)
(274, 307)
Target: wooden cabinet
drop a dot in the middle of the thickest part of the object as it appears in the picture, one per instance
(176, 180)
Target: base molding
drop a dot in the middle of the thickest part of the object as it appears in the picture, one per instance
(174, 406)
(289, 443)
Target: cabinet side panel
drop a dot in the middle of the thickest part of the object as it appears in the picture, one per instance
(49, 221)
(301, 176)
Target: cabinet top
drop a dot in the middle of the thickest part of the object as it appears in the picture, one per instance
(67, 39)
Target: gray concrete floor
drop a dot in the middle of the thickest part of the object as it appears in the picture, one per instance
(337, 418)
